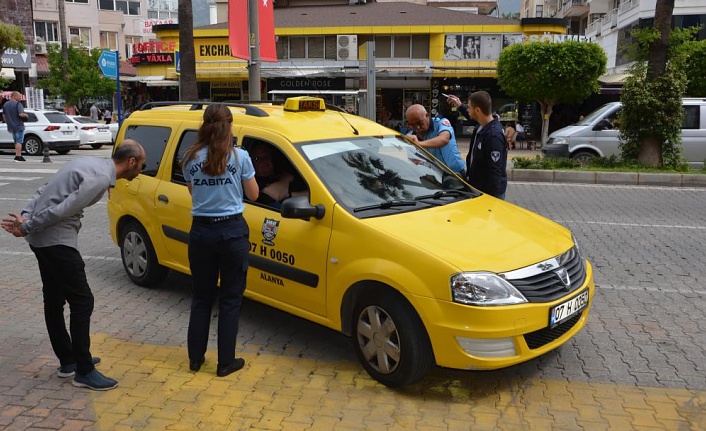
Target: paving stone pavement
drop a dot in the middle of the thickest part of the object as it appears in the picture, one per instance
(638, 365)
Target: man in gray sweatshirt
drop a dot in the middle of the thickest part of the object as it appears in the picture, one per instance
(50, 223)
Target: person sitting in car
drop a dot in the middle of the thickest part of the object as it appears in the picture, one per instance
(274, 186)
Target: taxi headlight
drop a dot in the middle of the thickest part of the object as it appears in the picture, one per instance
(576, 244)
(484, 288)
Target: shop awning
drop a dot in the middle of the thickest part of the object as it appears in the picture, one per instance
(7, 73)
(616, 78)
(162, 83)
(316, 91)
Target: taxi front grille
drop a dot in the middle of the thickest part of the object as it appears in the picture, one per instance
(546, 335)
(548, 286)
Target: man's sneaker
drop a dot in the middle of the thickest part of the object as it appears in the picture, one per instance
(19, 159)
(94, 380)
(69, 370)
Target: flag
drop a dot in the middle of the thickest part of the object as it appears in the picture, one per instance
(239, 36)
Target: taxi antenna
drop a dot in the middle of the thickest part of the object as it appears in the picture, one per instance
(355, 131)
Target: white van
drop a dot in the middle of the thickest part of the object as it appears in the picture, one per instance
(596, 136)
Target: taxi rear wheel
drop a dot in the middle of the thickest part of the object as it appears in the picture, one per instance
(139, 258)
(390, 339)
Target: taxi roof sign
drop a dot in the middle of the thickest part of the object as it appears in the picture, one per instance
(304, 103)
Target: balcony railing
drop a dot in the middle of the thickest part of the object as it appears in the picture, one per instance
(572, 3)
(628, 5)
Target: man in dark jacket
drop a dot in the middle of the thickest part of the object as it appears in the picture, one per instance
(486, 162)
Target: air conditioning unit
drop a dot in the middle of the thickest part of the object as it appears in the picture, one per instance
(40, 48)
(346, 47)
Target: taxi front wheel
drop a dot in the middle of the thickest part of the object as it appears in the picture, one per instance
(139, 258)
(390, 339)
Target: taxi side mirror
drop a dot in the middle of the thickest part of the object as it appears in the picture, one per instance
(299, 207)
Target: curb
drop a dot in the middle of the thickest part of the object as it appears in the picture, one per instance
(612, 178)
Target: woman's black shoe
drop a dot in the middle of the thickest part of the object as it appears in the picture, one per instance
(224, 370)
(196, 365)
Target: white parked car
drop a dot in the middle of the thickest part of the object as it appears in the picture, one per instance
(92, 133)
(49, 128)
(113, 127)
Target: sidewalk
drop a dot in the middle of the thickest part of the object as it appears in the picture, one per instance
(589, 177)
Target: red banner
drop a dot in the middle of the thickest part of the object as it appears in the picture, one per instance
(266, 17)
(238, 34)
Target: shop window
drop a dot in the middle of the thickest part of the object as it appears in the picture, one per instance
(330, 47)
(383, 46)
(402, 46)
(315, 47)
(297, 47)
(282, 46)
(420, 46)
(77, 1)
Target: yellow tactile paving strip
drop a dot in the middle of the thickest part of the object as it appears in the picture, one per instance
(279, 392)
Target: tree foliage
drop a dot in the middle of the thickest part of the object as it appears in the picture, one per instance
(694, 67)
(652, 111)
(551, 73)
(84, 79)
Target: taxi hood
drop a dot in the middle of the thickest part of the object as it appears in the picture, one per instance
(483, 233)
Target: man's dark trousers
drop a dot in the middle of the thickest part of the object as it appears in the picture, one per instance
(64, 280)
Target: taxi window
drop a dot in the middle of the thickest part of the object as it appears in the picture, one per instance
(188, 139)
(154, 140)
(276, 176)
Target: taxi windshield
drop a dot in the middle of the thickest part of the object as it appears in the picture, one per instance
(373, 176)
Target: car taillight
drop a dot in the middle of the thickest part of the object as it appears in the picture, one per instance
(88, 127)
(52, 128)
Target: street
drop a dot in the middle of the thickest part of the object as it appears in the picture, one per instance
(640, 363)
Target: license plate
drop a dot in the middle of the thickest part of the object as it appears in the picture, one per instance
(66, 133)
(102, 129)
(568, 309)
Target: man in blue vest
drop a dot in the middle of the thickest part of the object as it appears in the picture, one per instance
(436, 135)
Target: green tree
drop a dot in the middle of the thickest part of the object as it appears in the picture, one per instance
(11, 37)
(84, 78)
(694, 67)
(187, 57)
(652, 114)
(551, 73)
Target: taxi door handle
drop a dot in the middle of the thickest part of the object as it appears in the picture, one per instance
(163, 198)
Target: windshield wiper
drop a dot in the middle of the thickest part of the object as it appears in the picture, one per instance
(386, 205)
(446, 193)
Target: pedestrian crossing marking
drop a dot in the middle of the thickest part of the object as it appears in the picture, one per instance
(31, 171)
(19, 178)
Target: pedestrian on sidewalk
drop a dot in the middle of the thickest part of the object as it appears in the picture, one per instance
(217, 175)
(436, 135)
(50, 223)
(15, 117)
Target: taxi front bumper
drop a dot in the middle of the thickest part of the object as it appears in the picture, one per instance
(489, 338)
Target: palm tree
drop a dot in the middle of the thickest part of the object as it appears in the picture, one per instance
(187, 57)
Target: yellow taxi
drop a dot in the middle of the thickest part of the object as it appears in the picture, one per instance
(375, 239)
